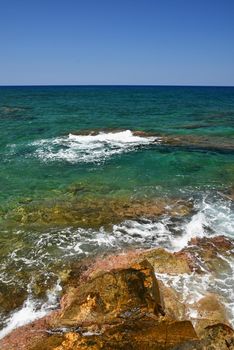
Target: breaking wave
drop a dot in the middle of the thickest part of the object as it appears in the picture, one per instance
(31, 310)
(89, 148)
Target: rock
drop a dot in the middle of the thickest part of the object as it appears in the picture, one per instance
(216, 337)
(11, 297)
(117, 303)
(111, 297)
(24, 337)
(210, 311)
(166, 262)
(91, 211)
(174, 309)
(144, 334)
(219, 337)
(199, 142)
(208, 254)
(162, 261)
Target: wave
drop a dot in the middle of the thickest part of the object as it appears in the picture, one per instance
(31, 310)
(89, 148)
(192, 287)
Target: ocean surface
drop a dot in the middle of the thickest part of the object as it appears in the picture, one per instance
(72, 149)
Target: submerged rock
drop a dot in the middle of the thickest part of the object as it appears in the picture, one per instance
(94, 213)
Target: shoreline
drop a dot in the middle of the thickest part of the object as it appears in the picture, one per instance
(85, 312)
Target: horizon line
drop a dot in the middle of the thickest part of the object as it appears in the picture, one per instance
(112, 85)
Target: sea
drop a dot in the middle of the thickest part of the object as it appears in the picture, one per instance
(73, 158)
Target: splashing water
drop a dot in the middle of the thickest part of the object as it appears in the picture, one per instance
(89, 148)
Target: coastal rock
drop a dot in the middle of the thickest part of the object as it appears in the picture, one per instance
(162, 261)
(218, 337)
(215, 337)
(141, 335)
(167, 262)
(116, 302)
(111, 297)
(208, 253)
(94, 213)
(23, 338)
(210, 311)
(199, 143)
(11, 297)
(174, 309)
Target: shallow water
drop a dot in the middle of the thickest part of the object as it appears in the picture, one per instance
(49, 157)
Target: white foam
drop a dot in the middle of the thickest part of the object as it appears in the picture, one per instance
(31, 311)
(89, 148)
(194, 228)
(190, 287)
(147, 233)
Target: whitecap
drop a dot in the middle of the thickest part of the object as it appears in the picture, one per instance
(89, 148)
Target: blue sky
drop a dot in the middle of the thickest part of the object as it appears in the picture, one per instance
(182, 42)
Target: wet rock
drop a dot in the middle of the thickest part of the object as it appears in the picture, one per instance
(25, 337)
(94, 212)
(11, 297)
(166, 262)
(174, 309)
(111, 297)
(209, 253)
(162, 261)
(210, 311)
(144, 334)
(94, 132)
(216, 337)
(219, 336)
(116, 302)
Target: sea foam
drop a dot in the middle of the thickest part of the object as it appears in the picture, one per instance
(89, 148)
(31, 310)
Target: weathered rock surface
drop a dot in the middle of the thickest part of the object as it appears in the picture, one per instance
(216, 337)
(112, 297)
(210, 312)
(208, 254)
(143, 334)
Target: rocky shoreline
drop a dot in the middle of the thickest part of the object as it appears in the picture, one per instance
(121, 302)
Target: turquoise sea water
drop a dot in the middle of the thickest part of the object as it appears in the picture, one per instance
(48, 157)
(31, 114)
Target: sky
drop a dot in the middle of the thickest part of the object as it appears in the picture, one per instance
(133, 42)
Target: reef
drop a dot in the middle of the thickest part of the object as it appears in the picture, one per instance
(89, 212)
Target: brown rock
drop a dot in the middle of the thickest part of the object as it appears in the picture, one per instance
(162, 261)
(174, 309)
(210, 312)
(219, 337)
(112, 297)
(166, 262)
(23, 337)
(140, 335)
(206, 253)
(216, 337)
(90, 211)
